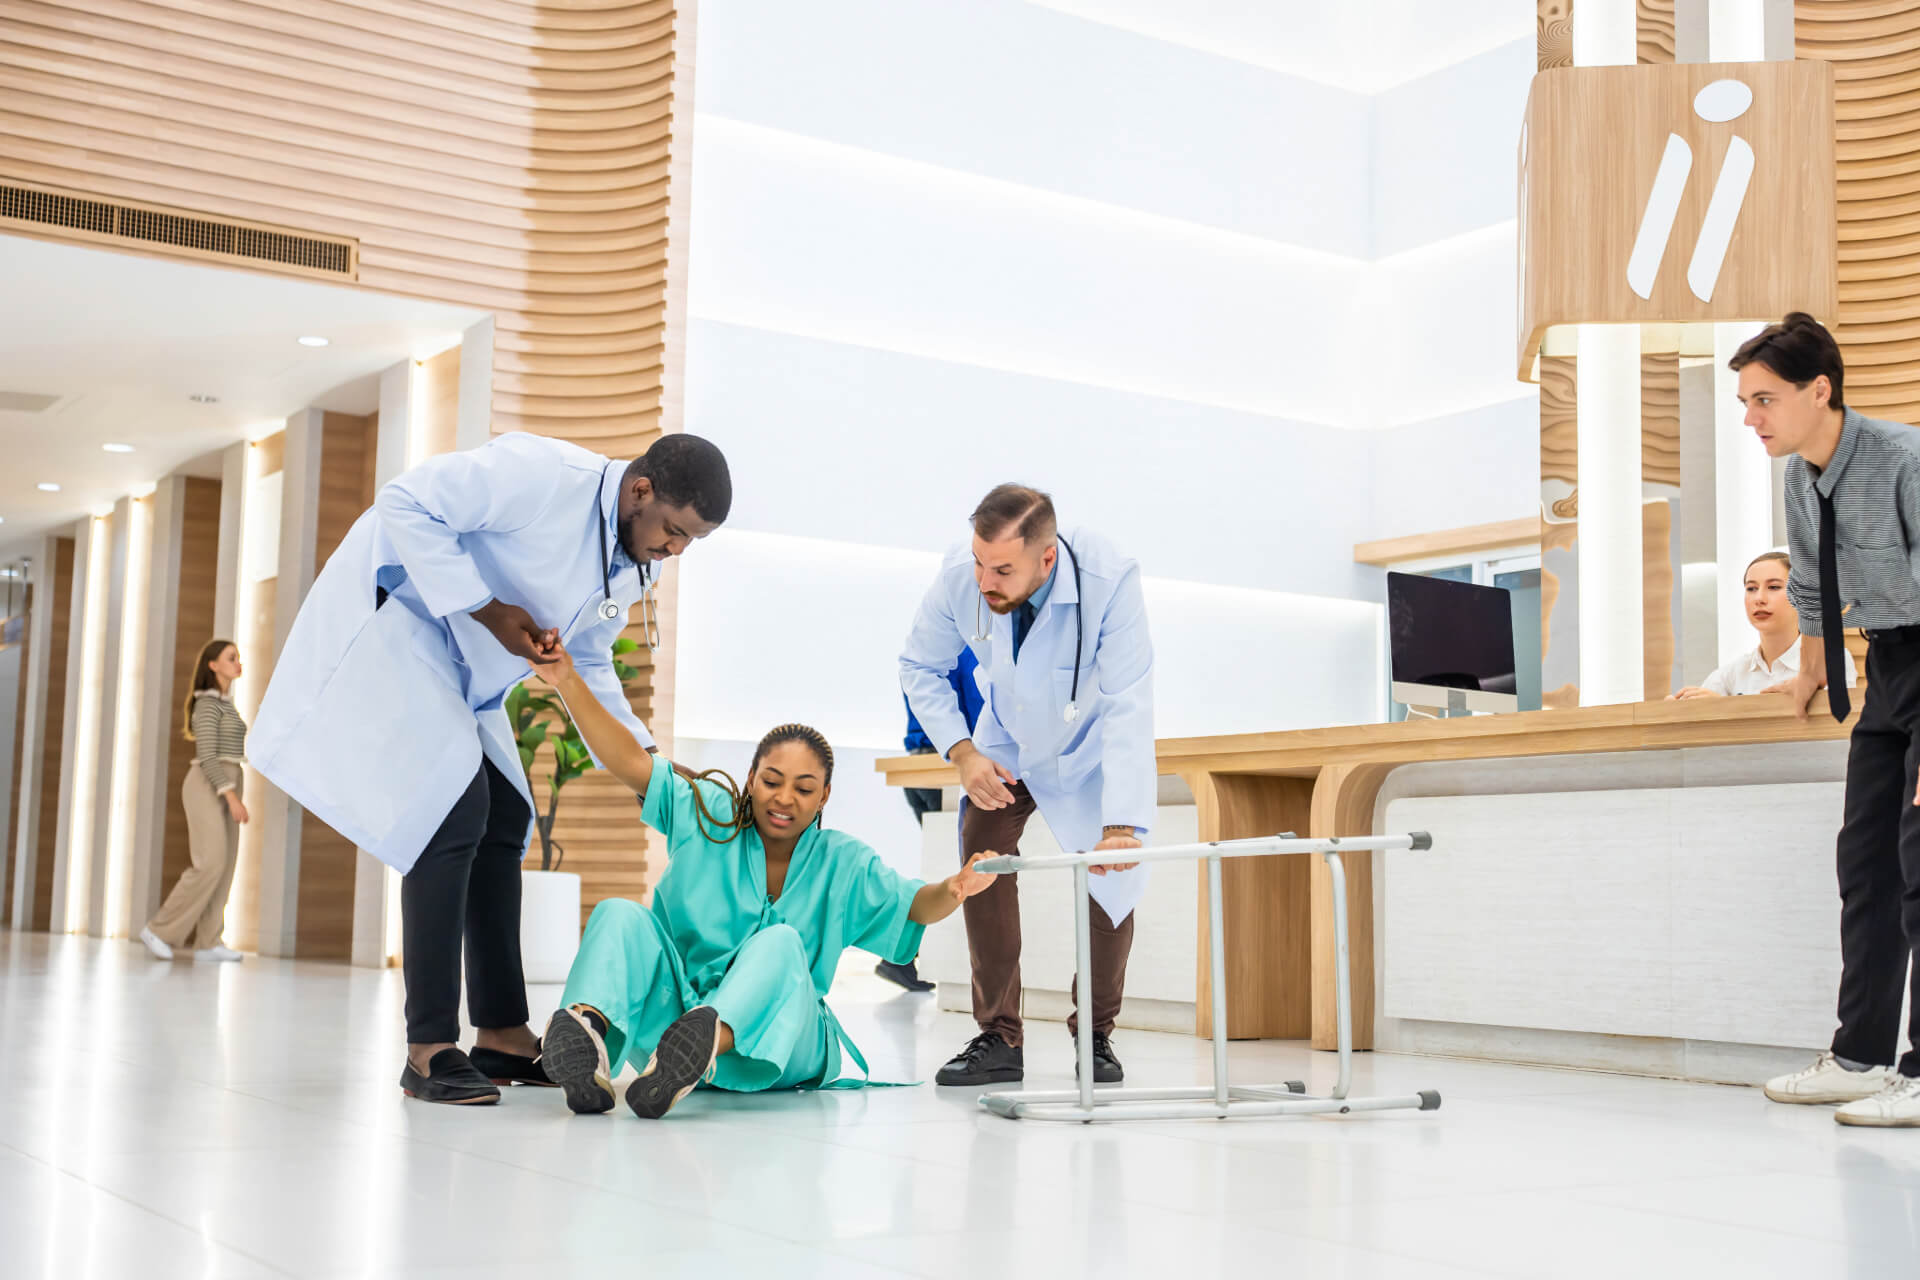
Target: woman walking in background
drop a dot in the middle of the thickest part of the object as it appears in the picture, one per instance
(197, 906)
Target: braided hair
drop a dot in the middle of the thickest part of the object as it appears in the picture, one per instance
(739, 817)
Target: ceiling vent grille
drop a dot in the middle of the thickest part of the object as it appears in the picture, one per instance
(168, 229)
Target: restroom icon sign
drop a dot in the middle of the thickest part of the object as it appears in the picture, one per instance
(1719, 102)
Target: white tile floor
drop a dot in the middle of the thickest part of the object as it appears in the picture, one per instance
(243, 1121)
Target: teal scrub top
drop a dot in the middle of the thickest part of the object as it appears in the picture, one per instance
(838, 893)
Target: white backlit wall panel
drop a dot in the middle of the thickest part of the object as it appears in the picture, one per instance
(1006, 90)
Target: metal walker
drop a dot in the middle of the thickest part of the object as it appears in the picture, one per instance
(1087, 1104)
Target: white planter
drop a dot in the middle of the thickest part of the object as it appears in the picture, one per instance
(549, 924)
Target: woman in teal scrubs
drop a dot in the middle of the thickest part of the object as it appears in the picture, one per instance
(722, 980)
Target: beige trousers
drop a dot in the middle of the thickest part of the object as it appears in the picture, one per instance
(198, 903)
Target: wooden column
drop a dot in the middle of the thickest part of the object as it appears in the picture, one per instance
(1268, 988)
(323, 922)
(193, 627)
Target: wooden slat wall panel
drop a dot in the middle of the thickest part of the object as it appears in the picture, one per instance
(1553, 31)
(324, 915)
(1653, 30)
(511, 155)
(1874, 46)
(193, 627)
(54, 734)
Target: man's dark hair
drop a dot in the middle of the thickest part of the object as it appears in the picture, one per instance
(1798, 349)
(1016, 510)
(687, 471)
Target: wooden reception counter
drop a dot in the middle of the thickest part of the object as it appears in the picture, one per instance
(1329, 782)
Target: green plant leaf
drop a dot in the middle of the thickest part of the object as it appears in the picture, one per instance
(624, 644)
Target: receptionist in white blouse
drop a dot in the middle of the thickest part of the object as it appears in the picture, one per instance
(1771, 665)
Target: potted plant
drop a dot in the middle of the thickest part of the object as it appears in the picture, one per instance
(550, 897)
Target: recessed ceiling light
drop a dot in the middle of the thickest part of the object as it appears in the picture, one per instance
(117, 448)
(204, 399)
(313, 342)
(48, 486)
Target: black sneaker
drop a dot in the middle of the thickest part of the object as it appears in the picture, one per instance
(451, 1077)
(509, 1068)
(1106, 1064)
(683, 1058)
(575, 1055)
(987, 1059)
(903, 975)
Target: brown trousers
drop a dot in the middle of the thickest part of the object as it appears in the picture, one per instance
(993, 930)
(198, 904)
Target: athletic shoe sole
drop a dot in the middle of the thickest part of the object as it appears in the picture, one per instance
(577, 1064)
(683, 1057)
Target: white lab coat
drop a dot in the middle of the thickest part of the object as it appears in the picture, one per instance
(375, 720)
(1098, 771)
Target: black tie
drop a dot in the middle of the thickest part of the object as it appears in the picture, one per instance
(1830, 622)
(1022, 623)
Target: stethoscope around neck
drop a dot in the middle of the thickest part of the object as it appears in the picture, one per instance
(981, 634)
(609, 608)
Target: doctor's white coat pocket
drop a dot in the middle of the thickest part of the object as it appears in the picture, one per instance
(386, 745)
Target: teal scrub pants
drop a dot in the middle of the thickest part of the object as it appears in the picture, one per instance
(629, 970)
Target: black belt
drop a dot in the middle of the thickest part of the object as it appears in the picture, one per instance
(1895, 635)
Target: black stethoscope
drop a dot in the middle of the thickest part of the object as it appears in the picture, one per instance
(982, 636)
(609, 607)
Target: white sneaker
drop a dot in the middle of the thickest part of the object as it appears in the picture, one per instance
(1827, 1081)
(1895, 1107)
(160, 950)
(218, 954)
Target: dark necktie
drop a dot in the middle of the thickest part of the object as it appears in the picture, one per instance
(1831, 631)
(1022, 623)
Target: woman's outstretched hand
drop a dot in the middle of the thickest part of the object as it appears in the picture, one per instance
(554, 667)
(966, 882)
(938, 899)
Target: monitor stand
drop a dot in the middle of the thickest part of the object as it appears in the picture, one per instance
(1456, 706)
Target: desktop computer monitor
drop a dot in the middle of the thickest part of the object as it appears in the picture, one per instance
(1451, 644)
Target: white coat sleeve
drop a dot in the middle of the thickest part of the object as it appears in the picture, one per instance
(597, 674)
(933, 649)
(1130, 794)
(504, 485)
(1721, 681)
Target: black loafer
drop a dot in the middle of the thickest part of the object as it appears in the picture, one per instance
(987, 1059)
(509, 1068)
(451, 1077)
(683, 1058)
(1106, 1064)
(903, 975)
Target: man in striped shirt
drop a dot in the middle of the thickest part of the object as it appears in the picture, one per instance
(1853, 524)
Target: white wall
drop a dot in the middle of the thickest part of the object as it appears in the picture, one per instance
(1233, 301)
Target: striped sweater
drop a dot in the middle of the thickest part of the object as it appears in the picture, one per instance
(219, 739)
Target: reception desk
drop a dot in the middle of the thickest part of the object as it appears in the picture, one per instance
(1601, 879)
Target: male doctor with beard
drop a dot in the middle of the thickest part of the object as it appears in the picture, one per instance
(385, 715)
(1059, 626)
